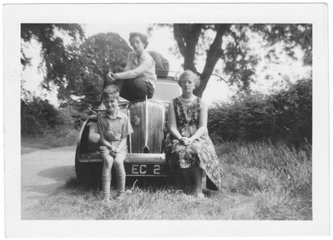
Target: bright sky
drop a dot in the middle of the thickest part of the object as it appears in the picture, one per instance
(160, 41)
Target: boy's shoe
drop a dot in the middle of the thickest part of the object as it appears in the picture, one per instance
(128, 191)
(122, 195)
(200, 196)
(106, 200)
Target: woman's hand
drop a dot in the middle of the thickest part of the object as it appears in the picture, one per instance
(111, 76)
(186, 141)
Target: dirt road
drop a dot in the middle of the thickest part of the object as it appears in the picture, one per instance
(43, 171)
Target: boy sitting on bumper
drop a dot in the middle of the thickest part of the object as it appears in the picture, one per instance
(113, 127)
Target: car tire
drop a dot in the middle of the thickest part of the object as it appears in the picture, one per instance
(210, 185)
(88, 174)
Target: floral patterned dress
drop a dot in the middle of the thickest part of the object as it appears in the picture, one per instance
(200, 153)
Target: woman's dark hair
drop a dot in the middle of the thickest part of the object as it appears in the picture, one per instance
(143, 37)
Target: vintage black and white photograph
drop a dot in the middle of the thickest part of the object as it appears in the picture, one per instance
(169, 118)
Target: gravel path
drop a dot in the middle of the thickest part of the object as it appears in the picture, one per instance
(42, 172)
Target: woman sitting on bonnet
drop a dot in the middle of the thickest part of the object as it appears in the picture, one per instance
(138, 78)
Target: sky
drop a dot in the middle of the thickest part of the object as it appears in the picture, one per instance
(161, 40)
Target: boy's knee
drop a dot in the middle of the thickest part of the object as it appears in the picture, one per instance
(118, 162)
(107, 160)
(104, 150)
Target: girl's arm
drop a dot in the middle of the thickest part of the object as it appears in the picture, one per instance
(147, 63)
(173, 123)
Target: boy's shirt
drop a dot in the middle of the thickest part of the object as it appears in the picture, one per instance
(113, 129)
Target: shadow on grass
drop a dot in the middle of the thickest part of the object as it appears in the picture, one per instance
(59, 175)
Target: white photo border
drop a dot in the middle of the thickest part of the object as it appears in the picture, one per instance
(312, 13)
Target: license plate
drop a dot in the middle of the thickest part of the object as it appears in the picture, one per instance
(134, 169)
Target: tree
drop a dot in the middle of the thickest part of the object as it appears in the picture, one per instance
(88, 67)
(231, 44)
(54, 53)
(78, 69)
(47, 36)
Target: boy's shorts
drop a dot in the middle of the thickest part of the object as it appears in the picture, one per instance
(105, 150)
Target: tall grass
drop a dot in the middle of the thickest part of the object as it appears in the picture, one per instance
(260, 181)
(280, 178)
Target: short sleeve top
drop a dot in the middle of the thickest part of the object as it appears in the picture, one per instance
(113, 129)
(148, 75)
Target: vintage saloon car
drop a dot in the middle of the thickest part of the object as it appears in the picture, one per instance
(146, 156)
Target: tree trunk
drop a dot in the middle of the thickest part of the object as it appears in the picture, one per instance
(187, 36)
(203, 84)
(214, 53)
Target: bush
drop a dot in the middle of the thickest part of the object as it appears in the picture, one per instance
(39, 117)
(77, 113)
(294, 112)
(247, 117)
(286, 115)
(30, 125)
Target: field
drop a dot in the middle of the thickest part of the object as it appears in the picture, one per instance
(261, 181)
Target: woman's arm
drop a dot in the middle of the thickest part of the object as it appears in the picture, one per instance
(147, 63)
(172, 122)
(202, 121)
(128, 62)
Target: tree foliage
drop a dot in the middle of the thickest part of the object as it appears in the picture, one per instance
(39, 117)
(78, 68)
(53, 49)
(232, 44)
(88, 66)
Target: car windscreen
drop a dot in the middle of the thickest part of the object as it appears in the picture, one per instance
(166, 91)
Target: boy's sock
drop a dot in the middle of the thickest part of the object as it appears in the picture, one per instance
(106, 184)
(121, 184)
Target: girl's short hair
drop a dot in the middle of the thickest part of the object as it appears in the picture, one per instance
(111, 91)
(143, 37)
(189, 73)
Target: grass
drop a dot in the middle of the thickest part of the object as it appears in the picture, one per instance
(279, 179)
(73, 202)
(260, 182)
(49, 140)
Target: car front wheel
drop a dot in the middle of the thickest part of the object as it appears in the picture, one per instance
(88, 174)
